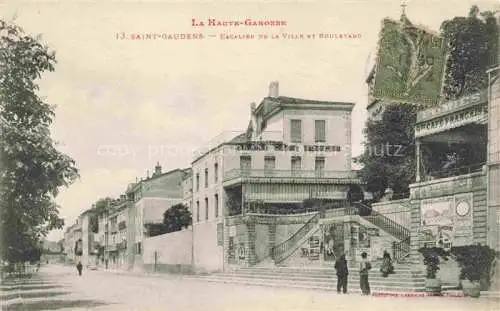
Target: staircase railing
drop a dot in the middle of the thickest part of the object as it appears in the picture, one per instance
(400, 249)
(386, 224)
(282, 251)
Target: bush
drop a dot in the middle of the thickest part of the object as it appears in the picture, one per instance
(431, 259)
(475, 262)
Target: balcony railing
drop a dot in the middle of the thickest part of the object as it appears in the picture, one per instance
(273, 173)
(273, 210)
(454, 172)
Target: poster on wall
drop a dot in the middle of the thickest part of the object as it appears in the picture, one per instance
(314, 247)
(333, 241)
(231, 250)
(463, 221)
(437, 222)
(437, 212)
(363, 238)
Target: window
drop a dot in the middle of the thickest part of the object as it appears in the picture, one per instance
(216, 205)
(197, 211)
(206, 208)
(269, 164)
(296, 131)
(245, 163)
(320, 131)
(216, 172)
(296, 165)
(319, 166)
(206, 178)
(197, 182)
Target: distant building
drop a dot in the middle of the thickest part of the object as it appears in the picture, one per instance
(150, 198)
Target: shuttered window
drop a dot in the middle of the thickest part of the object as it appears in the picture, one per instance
(216, 205)
(197, 211)
(296, 163)
(319, 166)
(245, 163)
(296, 131)
(320, 131)
(206, 208)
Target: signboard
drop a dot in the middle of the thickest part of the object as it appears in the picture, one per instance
(231, 250)
(437, 212)
(463, 222)
(265, 146)
(451, 106)
(447, 221)
(363, 238)
(314, 247)
(220, 234)
(232, 231)
(410, 64)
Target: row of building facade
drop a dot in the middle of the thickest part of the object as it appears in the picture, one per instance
(292, 150)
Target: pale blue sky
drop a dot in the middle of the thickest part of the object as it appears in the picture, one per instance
(134, 94)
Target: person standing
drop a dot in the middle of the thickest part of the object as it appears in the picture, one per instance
(364, 268)
(79, 267)
(342, 274)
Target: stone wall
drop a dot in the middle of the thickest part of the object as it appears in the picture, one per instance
(171, 252)
(474, 183)
(398, 211)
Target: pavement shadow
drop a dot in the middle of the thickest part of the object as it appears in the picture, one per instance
(31, 287)
(33, 295)
(54, 305)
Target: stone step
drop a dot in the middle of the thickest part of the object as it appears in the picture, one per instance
(312, 281)
(328, 274)
(352, 288)
(317, 268)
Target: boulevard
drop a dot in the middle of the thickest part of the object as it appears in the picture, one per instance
(58, 287)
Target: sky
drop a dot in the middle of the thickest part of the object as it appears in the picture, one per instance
(124, 105)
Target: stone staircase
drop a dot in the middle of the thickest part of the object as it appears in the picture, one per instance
(320, 278)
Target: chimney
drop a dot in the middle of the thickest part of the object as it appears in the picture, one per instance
(274, 89)
(157, 169)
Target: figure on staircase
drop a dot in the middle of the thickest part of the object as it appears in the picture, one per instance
(364, 268)
(386, 268)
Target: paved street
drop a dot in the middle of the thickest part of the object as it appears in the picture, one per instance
(59, 288)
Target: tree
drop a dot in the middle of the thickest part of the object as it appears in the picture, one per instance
(102, 205)
(176, 218)
(472, 48)
(32, 170)
(389, 157)
(154, 229)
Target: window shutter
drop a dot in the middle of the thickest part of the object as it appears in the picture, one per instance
(296, 131)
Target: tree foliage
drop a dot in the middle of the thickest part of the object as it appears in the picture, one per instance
(102, 205)
(32, 169)
(389, 157)
(154, 229)
(472, 47)
(176, 218)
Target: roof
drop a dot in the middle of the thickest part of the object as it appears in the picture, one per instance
(242, 138)
(300, 101)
